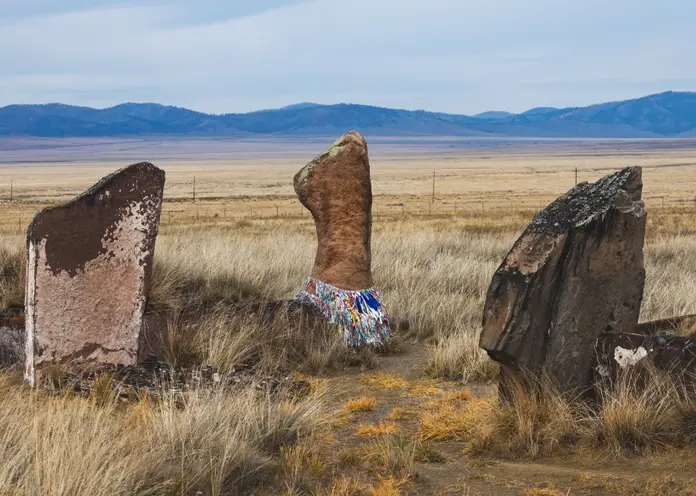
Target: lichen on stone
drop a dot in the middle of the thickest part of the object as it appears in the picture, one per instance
(588, 201)
(333, 150)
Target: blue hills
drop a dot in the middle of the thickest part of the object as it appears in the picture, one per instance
(669, 114)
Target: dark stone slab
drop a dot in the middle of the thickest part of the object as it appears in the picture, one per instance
(576, 271)
(615, 352)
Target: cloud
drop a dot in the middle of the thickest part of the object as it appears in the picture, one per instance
(447, 55)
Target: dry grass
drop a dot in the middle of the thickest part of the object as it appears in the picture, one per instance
(446, 421)
(364, 404)
(643, 413)
(433, 272)
(375, 430)
(393, 454)
(384, 381)
(459, 357)
(544, 491)
(401, 413)
(205, 441)
(11, 274)
(348, 486)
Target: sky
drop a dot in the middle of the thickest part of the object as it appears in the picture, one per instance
(459, 56)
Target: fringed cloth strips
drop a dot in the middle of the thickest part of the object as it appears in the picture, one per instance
(359, 314)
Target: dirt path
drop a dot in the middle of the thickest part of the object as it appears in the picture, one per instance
(404, 399)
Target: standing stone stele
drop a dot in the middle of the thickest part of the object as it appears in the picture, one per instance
(575, 272)
(89, 270)
(335, 187)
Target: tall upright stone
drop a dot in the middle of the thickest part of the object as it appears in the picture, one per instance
(575, 272)
(335, 187)
(89, 270)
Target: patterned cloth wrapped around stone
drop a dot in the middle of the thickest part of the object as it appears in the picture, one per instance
(359, 314)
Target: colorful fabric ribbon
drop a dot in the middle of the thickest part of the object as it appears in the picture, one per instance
(358, 314)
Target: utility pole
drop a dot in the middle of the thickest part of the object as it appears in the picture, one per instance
(433, 198)
(11, 189)
(576, 176)
(194, 189)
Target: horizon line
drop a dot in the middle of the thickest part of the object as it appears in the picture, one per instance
(333, 105)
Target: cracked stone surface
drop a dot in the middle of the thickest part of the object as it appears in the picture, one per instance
(575, 272)
(89, 269)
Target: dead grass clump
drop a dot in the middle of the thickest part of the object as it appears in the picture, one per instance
(358, 486)
(396, 455)
(532, 424)
(384, 381)
(302, 468)
(640, 413)
(402, 413)
(447, 421)
(364, 404)
(544, 491)
(427, 453)
(388, 454)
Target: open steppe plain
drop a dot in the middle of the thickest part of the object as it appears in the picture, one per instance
(420, 418)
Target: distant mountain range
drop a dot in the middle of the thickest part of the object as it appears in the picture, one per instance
(669, 114)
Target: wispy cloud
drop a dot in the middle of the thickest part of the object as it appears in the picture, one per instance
(448, 55)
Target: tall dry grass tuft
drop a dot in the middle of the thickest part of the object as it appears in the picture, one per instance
(197, 268)
(531, 424)
(205, 442)
(670, 283)
(12, 264)
(270, 337)
(641, 413)
(459, 357)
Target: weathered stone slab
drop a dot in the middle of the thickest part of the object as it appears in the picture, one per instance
(576, 271)
(675, 355)
(335, 187)
(89, 268)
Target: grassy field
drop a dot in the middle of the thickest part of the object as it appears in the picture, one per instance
(420, 418)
